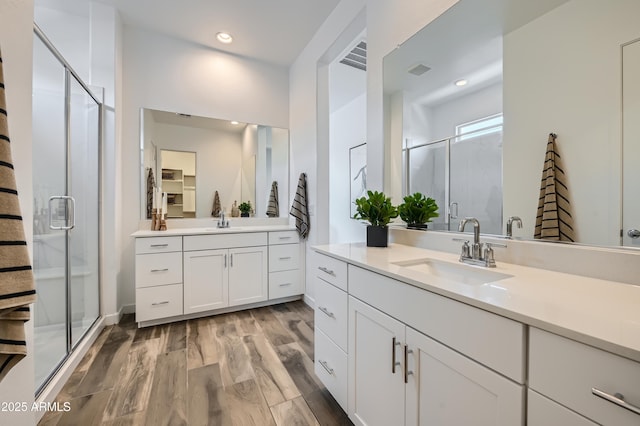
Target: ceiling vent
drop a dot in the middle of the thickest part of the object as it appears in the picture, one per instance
(357, 58)
(418, 69)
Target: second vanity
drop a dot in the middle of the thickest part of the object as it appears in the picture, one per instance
(185, 273)
(409, 336)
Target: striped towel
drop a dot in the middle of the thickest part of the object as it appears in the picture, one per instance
(553, 219)
(273, 208)
(215, 210)
(299, 207)
(16, 278)
(151, 183)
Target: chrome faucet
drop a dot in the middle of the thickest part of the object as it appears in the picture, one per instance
(510, 221)
(222, 223)
(479, 254)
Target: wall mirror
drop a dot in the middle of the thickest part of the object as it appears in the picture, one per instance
(471, 99)
(193, 157)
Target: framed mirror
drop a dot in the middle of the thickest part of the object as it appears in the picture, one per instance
(193, 158)
(552, 66)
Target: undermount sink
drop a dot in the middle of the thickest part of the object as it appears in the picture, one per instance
(454, 272)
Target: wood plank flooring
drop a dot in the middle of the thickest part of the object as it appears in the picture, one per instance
(252, 367)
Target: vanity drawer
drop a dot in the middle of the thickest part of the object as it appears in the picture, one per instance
(283, 237)
(332, 270)
(158, 269)
(223, 241)
(567, 371)
(284, 257)
(490, 339)
(331, 367)
(158, 302)
(331, 312)
(158, 244)
(285, 283)
(542, 411)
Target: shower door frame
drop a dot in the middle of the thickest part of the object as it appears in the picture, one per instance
(69, 74)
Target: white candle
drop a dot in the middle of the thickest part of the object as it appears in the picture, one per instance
(154, 203)
(164, 203)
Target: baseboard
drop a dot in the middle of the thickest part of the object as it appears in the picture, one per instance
(56, 383)
(309, 301)
(115, 318)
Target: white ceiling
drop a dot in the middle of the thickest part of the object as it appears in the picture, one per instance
(273, 31)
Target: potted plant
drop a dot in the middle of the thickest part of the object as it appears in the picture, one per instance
(376, 208)
(417, 210)
(245, 208)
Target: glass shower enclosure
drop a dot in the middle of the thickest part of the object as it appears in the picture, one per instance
(66, 187)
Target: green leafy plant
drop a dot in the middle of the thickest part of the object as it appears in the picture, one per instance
(375, 208)
(418, 209)
(245, 207)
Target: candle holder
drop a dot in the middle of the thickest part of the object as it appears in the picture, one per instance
(162, 224)
(154, 219)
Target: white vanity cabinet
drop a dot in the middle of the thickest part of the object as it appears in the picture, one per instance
(399, 374)
(158, 278)
(224, 270)
(596, 384)
(330, 320)
(285, 278)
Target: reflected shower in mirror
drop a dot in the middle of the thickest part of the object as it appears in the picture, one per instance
(193, 158)
(552, 66)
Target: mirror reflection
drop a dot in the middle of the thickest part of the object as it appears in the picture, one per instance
(195, 158)
(554, 66)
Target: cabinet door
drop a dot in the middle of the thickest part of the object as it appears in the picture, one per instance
(206, 280)
(544, 412)
(446, 388)
(247, 275)
(375, 385)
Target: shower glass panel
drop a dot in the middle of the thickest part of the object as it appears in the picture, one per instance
(49, 180)
(476, 178)
(84, 125)
(427, 165)
(66, 186)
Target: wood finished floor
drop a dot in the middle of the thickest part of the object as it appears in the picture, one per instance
(251, 367)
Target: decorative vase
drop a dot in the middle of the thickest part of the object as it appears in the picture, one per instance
(243, 214)
(418, 226)
(377, 236)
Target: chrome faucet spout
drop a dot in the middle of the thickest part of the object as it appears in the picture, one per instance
(476, 228)
(510, 222)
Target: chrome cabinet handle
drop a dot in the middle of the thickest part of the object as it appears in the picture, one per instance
(617, 399)
(407, 373)
(225, 260)
(326, 366)
(159, 245)
(394, 363)
(160, 270)
(633, 233)
(284, 238)
(327, 271)
(285, 258)
(232, 260)
(326, 312)
(166, 302)
(285, 284)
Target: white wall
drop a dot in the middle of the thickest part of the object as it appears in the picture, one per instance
(16, 42)
(348, 129)
(550, 69)
(167, 74)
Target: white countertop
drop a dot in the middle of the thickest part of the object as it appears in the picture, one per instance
(597, 312)
(212, 230)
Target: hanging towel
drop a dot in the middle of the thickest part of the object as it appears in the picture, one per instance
(151, 183)
(273, 208)
(299, 207)
(553, 219)
(215, 210)
(17, 289)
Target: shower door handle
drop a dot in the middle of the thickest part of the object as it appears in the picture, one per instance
(69, 212)
(451, 215)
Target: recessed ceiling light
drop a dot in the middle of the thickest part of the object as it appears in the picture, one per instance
(461, 83)
(234, 122)
(224, 37)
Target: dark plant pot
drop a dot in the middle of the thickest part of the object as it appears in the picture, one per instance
(418, 226)
(244, 214)
(377, 236)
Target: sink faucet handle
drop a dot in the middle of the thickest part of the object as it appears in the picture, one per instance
(495, 245)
